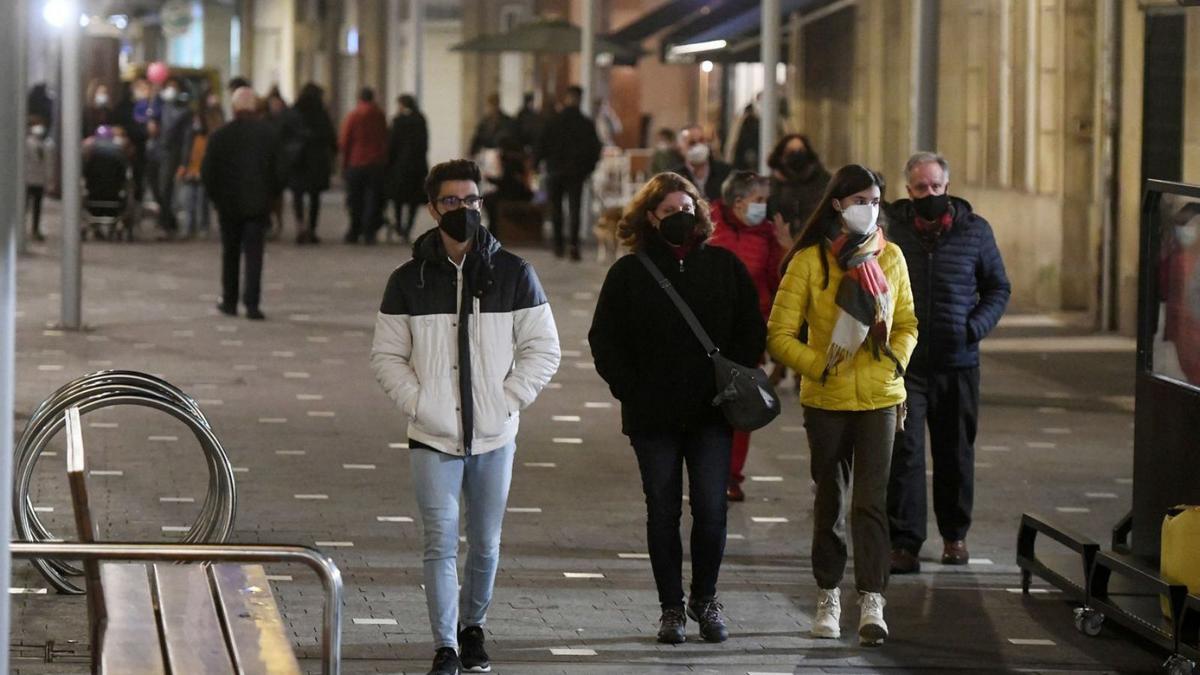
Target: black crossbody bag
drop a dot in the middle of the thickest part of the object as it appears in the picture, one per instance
(744, 394)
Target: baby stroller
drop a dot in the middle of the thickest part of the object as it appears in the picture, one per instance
(106, 197)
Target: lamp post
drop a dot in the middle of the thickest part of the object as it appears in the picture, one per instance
(64, 15)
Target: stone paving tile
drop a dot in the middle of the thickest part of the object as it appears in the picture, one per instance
(258, 383)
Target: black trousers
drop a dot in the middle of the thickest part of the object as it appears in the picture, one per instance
(364, 192)
(33, 201)
(404, 224)
(240, 237)
(572, 189)
(948, 403)
(314, 208)
(661, 457)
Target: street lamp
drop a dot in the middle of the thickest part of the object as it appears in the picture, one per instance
(56, 12)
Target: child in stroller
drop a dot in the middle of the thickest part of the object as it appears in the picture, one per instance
(106, 179)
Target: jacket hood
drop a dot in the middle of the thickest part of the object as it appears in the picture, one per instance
(477, 266)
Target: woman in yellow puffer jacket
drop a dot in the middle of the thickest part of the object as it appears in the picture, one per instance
(851, 287)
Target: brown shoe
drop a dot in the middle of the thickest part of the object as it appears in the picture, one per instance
(955, 553)
(734, 493)
(904, 562)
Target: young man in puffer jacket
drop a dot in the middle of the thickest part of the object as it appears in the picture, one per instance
(464, 340)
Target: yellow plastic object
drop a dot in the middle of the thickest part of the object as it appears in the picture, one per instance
(1181, 550)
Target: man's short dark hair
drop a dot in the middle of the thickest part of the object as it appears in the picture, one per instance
(576, 91)
(366, 95)
(455, 169)
(238, 82)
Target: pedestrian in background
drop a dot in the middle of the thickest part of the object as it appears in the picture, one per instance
(494, 127)
(289, 150)
(408, 150)
(571, 149)
(530, 123)
(464, 340)
(39, 165)
(798, 182)
(705, 171)
(851, 287)
(658, 369)
(242, 176)
(364, 144)
(317, 146)
(666, 152)
(195, 201)
(740, 225)
(173, 121)
(960, 289)
(99, 108)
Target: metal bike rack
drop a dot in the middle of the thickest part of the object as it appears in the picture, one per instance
(323, 565)
(106, 389)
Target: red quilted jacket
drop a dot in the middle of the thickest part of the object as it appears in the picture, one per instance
(757, 248)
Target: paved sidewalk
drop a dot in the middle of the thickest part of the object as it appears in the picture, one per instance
(321, 462)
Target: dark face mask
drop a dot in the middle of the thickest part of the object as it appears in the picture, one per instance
(931, 207)
(677, 227)
(460, 224)
(797, 162)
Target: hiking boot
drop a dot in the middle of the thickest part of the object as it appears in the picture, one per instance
(709, 614)
(955, 553)
(872, 630)
(671, 625)
(828, 621)
(445, 662)
(904, 562)
(474, 657)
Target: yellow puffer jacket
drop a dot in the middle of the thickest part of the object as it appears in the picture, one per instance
(863, 383)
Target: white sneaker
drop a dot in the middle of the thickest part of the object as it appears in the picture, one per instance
(827, 623)
(872, 630)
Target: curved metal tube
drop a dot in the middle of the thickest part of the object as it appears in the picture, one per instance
(105, 389)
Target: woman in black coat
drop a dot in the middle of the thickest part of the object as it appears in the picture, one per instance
(309, 148)
(657, 368)
(408, 145)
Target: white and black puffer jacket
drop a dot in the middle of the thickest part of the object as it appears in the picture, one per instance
(461, 350)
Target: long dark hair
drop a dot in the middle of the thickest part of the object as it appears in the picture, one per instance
(824, 219)
(775, 159)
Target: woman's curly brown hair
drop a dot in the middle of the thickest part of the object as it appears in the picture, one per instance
(635, 224)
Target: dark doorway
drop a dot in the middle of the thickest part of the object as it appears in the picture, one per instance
(1162, 96)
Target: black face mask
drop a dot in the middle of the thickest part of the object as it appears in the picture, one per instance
(797, 162)
(931, 207)
(460, 224)
(677, 227)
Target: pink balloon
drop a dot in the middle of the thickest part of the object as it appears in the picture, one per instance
(157, 72)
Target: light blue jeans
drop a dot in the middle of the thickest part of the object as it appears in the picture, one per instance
(441, 482)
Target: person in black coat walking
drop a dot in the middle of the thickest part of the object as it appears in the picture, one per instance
(408, 149)
(241, 172)
(570, 147)
(960, 290)
(657, 368)
(312, 146)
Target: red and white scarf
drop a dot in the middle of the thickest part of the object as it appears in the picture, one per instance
(863, 298)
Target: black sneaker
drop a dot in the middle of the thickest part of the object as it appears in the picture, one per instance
(474, 657)
(711, 617)
(255, 314)
(445, 662)
(671, 625)
(227, 309)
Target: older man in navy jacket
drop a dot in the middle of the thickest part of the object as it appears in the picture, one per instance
(960, 291)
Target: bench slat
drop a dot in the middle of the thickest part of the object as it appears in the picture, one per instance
(191, 628)
(131, 644)
(260, 643)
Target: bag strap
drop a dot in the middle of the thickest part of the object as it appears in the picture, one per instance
(686, 311)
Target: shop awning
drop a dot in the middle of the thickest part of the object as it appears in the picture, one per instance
(665, 15)
(738, 25)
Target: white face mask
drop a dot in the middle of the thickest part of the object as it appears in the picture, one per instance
(101, 100)
(860, 218)
(38, 130)
(756, 212)
(697, 154)
(169, 94)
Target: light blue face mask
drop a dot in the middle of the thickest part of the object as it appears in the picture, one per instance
(756, 212)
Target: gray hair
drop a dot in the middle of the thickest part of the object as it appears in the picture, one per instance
(244, 100)
(926, 157)
(740, 184)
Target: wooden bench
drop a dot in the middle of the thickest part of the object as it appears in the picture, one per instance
(152, 619)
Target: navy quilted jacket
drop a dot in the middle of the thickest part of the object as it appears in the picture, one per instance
(958, 283)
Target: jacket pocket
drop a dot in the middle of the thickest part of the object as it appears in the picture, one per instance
(436, 409)
(492, 411)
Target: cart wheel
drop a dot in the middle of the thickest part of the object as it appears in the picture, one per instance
(1088, 621)
(1178, 665)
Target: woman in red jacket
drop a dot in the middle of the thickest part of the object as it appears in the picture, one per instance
(739, 217)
